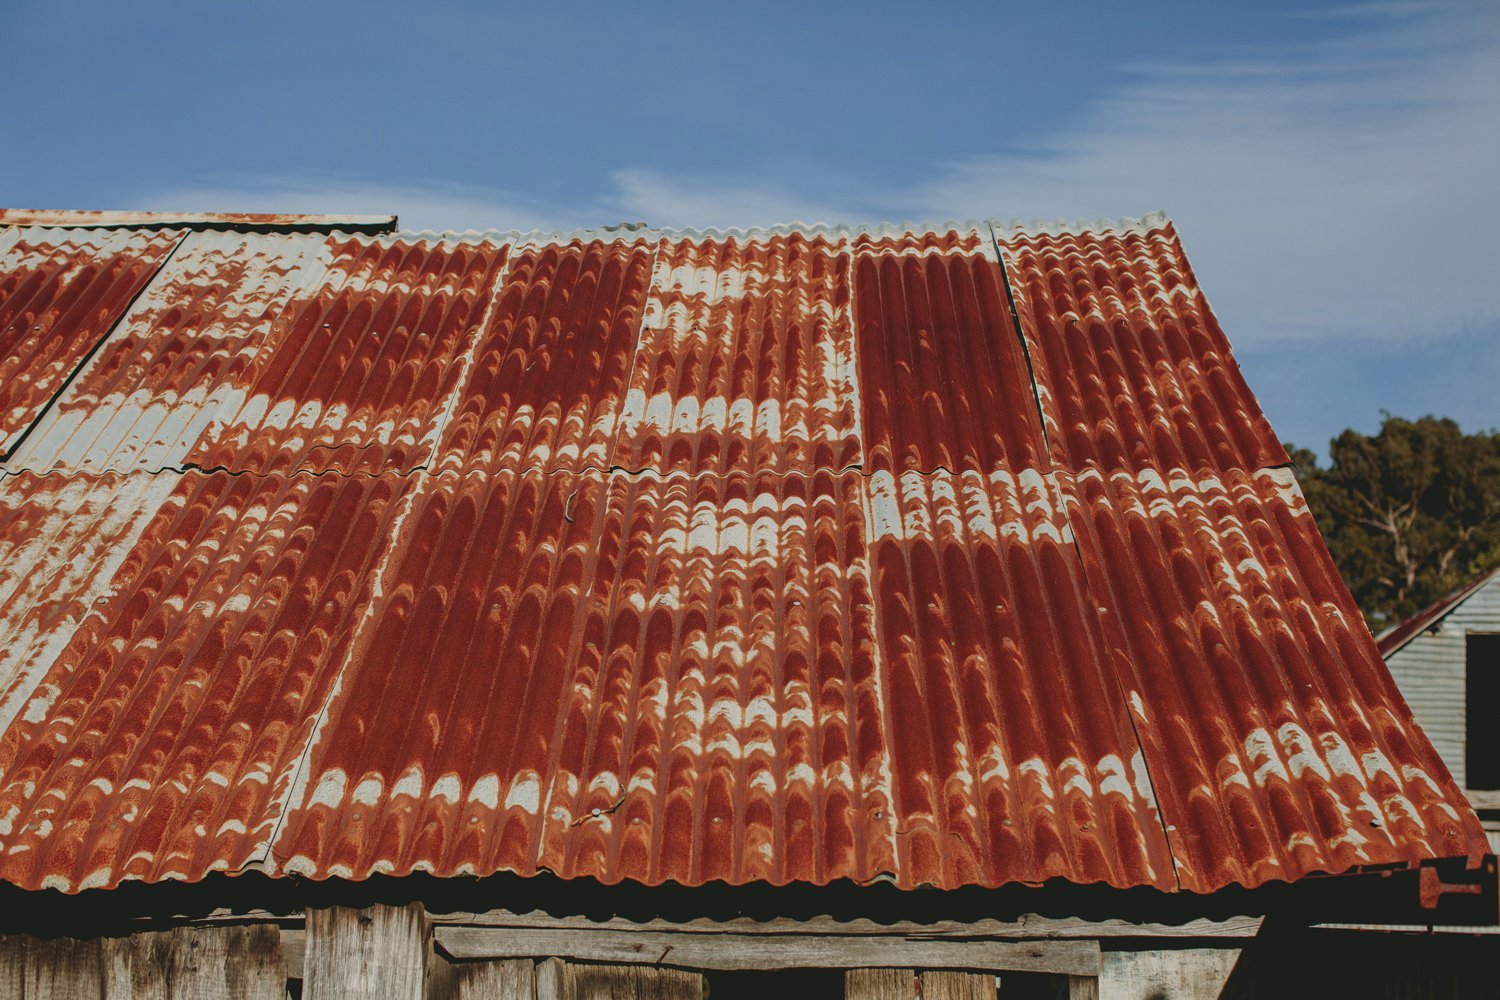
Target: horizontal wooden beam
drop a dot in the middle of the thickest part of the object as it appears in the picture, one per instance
(767, 952)
(1027, 927)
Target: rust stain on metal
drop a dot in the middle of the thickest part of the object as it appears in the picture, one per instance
(161, 701)
(943, 379)
(1275, 736)
(688, 557)
(181, 363)
(1011, 750)
(677, 684)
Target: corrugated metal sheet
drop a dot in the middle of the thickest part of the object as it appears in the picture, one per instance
(547, 377)
(686, 681)
(594, 555)
(1276, 740)
(60, 293)
(362, 368)
(1012, 753)
(188, 658)
(182, 361)
(1429, 667)
(1131, 367)
(943, 378)
(746, 360)
(620, 677)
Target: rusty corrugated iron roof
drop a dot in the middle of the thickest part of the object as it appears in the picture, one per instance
(775, 556)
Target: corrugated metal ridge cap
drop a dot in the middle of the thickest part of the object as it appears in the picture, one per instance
(85, 219)
(829, 231)
(629, 232)
(1058, 227)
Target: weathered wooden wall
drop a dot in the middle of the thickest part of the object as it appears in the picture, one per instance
(184, 963)
(387, 953)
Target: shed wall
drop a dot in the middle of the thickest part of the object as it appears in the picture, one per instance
(1430, 672)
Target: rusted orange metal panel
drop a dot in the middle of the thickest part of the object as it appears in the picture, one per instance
(943, 378)
(746, 360)
(548, 373)
(60, 295)
(1276, 739)
(1132, 369)
(154, 731)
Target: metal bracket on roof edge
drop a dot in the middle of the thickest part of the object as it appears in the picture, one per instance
(1431, 887)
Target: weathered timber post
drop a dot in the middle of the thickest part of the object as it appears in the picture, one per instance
(380, 952)
(880, 984)
(1083, 988)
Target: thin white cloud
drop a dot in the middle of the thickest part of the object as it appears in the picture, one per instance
(1343, 188)
(700, 202)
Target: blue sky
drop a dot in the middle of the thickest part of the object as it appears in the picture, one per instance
(1331, 169)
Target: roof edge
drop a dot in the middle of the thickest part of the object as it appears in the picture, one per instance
(271, 221)
(1396, 637)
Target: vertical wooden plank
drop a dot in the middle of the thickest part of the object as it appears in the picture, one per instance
(948, 985)
(632, 982)
(195, 963)
(880, 984)
(380, 952)
(62, 969)
(1083, 988)
(137, 966)
(552, 980)
(508, 980)
(242, 961)
(12, 965)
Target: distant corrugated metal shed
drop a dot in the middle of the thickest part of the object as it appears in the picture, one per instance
(748, 556)
(1398, 635)
(1428, 656)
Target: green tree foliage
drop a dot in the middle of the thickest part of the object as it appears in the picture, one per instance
(1410, 513)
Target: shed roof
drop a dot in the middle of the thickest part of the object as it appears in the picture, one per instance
(1394, 638)
(955, 555)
